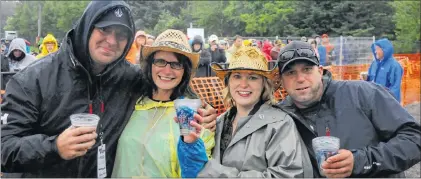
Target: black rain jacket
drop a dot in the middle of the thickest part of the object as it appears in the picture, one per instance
(40, 99)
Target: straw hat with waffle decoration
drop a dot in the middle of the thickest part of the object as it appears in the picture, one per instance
(248, 59)
(172, 41)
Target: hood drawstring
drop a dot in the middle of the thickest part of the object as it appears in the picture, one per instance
(100, 96)
(89, 99)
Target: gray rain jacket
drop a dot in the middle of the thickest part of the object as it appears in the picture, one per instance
(383, 137)
(265, 145)
(19, 44)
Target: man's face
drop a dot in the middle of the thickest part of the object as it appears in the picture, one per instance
(17, 53)
(238, 42)
(107, 44)
(50, 47)
(325, 39)
(379, 53)
(303, 82)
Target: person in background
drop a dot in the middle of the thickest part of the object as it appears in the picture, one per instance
(139, 42)
(217, 54)
(274, 52)
(321, 50)
(267, 47)
(49, 45)
(203, 69)
(329, 48)
(385, 70)
(378, 137)
(303, 39)
(238, 43)
(17, 56)
(150, 40)
(289, 39)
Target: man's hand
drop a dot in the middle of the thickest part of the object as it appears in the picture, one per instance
(75, 142)
(339, 165)
(209, 116)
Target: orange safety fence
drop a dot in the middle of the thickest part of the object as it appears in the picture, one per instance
(210, 88)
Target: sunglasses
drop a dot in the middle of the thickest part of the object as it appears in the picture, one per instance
(290, 54)
(163, 63)
(120, 34)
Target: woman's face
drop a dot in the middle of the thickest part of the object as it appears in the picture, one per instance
(164, 75)
(245, 88)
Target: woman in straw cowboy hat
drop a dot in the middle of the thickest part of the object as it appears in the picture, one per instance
(253, 138)
(147, 146)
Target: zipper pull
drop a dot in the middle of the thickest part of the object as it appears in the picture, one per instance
(327, 131)
(102, 106)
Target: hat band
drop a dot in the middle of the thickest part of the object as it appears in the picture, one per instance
(172, 45)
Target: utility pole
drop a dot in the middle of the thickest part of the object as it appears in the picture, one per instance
(1, 20)
(39, 21)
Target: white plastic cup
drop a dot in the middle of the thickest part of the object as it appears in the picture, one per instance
(325, 147)
(84, 120)
(185, 109)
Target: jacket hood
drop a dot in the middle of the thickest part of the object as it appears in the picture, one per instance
(47, 39)
(197, 40)
(83, 29)
(385, 45)
(18, 44)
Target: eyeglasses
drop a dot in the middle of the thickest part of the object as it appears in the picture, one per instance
(290, 54)
(163, 63)
(120, 34)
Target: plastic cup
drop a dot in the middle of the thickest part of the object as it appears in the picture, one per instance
(84, 120)
(325, 147)
(364, 75)
(185, 109)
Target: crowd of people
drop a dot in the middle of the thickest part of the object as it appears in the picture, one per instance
(105, 67)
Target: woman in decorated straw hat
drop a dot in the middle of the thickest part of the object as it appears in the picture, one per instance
(253, 138)
(147, 146)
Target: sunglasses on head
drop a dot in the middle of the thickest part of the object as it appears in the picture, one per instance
(163, 63)
(290, 54)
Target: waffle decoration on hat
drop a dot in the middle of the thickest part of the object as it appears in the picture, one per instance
(248, 59)
(172, 41)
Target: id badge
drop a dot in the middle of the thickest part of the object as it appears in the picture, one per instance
(102, 165)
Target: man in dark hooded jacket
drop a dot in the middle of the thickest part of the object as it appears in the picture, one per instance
(205, 57)
(88, 74)
(378, 137)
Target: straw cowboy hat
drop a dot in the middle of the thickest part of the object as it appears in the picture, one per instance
(248, 59)
(172, 41)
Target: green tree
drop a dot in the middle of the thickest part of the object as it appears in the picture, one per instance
(407, 19)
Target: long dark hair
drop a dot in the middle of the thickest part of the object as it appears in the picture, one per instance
(183, 88)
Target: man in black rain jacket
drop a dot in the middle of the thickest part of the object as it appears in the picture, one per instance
(378, 137)
(87, 74)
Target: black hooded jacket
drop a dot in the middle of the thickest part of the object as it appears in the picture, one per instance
(40, 99)
(383, 137)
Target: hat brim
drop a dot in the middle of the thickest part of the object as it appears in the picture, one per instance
(297, 59)
(272, 74)
(148, 50)
(103, 24)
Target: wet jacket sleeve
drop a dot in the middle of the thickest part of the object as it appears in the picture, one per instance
(395, 80)
(22, 149)
(192, 157)
(399, 132)
(283, 154)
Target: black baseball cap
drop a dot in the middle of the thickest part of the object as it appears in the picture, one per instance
(116, 16)
(296, 51)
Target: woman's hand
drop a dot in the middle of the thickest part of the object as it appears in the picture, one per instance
(193, 135)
